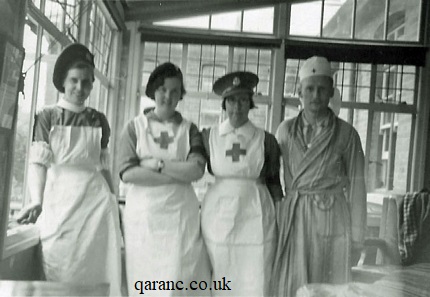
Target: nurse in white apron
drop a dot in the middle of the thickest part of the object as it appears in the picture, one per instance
(69, 182)
(161, 154)
(238, 214)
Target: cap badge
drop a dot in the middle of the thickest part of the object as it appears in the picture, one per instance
(236, 81)
(313, 70)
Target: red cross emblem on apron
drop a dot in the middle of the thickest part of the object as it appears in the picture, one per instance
(163, 140)
(235, 152)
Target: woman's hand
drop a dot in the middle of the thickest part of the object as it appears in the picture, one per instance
(29, 214)
(150, 163)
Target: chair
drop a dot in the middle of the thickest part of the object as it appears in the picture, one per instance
(403, 237)
(381, 254)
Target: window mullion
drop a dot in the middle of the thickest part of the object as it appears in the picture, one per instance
(370, 116)
(387, 14)
(354, 18)
(322, 18)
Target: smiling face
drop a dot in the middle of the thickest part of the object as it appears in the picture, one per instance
(167, 97)
(315, 92)
(237, 107)
(78, 84)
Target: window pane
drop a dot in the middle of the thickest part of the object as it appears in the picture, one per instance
(54, 12)
(306, 18)
(370, 19)
(256, 61)
(36, 3)
(264, 72)
(388, 161)
(176, 54)
(47, 93)
(226, 21)
(200, 22)
(210, 113)
(353, 81)
(103, 99)
(23, 123)
(404, 20)
(358, 119)
(155, 54)
(210, 68)
(72, 18)
(193, 67)
(101, 38)
(395, 84)
(337, 18)
(291, 78)
(94, 98)
(258, 20)
(291, 111)
(258, 115)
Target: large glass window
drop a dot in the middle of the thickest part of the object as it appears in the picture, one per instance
(100, 39)
(375, 98)
(39, 83)
(64, 15)
(238, 21)
(204, 65)
(357, 19)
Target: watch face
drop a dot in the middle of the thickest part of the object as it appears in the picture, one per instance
(160, 165)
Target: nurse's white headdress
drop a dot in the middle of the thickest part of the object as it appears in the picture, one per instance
(315, 66)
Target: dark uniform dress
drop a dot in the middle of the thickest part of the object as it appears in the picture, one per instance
(79, 223)
(238, 214)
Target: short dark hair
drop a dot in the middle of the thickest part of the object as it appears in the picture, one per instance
(251, 101)
(158, 76)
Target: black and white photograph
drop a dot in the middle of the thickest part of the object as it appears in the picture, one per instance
(270, 148)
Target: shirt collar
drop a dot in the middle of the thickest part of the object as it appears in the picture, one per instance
(245, 129)
(63, 103)
(321, 123)
(151, 115)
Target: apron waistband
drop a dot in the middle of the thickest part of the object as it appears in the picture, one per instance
(76, 167)
(239, 179)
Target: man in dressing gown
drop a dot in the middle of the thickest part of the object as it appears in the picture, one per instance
(322, 219)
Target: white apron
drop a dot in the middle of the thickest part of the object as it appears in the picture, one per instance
(238, 215)
(162, 223)
(79, 224)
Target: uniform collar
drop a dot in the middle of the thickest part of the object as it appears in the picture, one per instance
(151, 115)
(246, 129)
(63, 103)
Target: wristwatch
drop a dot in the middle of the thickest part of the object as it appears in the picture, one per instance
(160, 166)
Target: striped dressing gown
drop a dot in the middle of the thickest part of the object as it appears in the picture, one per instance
(324, 211)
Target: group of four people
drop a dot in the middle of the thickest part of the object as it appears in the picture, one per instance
(262, 239)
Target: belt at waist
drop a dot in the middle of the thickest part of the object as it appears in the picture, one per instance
(301, 192)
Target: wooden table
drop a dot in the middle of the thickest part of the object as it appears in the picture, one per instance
(42, 288)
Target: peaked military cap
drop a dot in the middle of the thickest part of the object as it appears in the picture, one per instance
(234, 83)
(73, 53)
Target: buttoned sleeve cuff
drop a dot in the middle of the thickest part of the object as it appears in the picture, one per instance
(40, 153)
